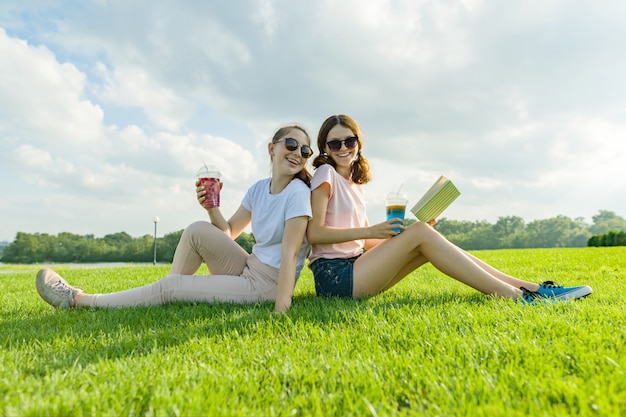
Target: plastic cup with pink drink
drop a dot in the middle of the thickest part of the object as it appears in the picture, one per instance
(209, 177)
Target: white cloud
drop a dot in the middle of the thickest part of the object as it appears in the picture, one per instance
(42, 98)
(120, 102)
(55, 140)
(266, 16)
(134, 87)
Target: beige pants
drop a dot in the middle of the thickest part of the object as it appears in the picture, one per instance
(235, 276)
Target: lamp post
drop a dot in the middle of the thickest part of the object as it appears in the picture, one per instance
(155, 220)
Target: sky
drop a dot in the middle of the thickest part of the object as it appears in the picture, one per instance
(109, 107)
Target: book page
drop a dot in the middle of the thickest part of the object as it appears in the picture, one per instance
(438, 197)
(431, 192)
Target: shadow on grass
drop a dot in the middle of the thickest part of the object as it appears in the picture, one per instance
(104, 334)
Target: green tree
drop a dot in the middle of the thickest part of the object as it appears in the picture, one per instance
(139, 249)
(246, 241)
(117, 240)
(68, 247)
(557, 232)
(25, 248)
(611, 238)
(454, 227)
(606, 221)
(468, 235)
(481, 236)
(166, 246)
(509, 231)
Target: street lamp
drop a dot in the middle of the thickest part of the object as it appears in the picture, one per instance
(155, 220)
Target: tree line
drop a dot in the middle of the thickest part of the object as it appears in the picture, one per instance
(607, 229)
(512, 232)
(117, 247)
(611, 238)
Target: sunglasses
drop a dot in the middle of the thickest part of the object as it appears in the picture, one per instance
(291, 144)
(335, 145)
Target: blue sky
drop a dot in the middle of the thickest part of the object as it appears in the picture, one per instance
(107, 108)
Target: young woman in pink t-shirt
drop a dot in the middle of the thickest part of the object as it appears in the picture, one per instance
(351, 258)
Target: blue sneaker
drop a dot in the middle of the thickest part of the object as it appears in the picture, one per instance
(533, 297)
(553, 290)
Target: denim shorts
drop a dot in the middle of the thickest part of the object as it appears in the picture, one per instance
(333, 277)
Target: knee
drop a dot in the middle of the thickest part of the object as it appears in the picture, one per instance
(168, 281)
(198, 228)
(166, 287)
(421, 230)
(420, 227)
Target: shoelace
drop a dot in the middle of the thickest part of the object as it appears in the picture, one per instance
(530, 295)
(550, 284)
(61, 288)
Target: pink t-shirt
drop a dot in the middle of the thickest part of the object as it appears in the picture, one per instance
(346, 210)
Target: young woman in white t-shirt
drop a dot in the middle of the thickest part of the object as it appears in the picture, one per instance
(277, 208)
(351, 258)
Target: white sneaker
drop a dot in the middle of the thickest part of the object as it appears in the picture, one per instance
(55, 290)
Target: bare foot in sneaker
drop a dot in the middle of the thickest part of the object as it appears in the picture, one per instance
(55, 290)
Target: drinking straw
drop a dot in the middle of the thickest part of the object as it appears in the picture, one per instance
(399, 189)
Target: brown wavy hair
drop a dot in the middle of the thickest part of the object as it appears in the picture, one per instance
(360, 170)
(304, 174)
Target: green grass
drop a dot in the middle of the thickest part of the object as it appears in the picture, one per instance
(430, 346)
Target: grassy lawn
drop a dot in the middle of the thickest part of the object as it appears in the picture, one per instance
(430, 346)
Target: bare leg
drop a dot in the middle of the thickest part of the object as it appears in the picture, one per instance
(384, 265)
(410, 267)
(517, 283)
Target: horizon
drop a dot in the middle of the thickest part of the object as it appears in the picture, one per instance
(588, 224)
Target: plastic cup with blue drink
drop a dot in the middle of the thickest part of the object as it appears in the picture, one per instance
(396, 206)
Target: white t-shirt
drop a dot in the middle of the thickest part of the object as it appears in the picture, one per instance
(346, 210)
(269, 214)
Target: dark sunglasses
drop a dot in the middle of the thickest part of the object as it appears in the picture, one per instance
(291, 144)
(335, 145)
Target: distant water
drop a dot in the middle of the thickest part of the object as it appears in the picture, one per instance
(37, 267)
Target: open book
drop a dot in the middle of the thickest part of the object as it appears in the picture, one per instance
(438, 197)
